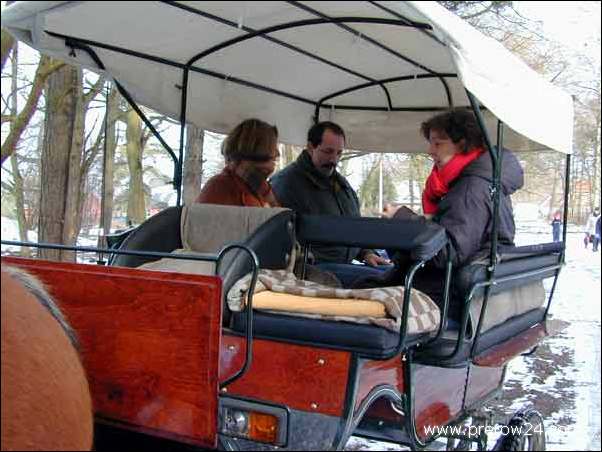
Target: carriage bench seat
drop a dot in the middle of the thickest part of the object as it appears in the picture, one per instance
(364, 320)
(271, 234)
(421, 241)
(516, 302)
(368, 340)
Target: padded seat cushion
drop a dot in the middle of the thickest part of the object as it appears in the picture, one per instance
(470, 274)
(364, 339)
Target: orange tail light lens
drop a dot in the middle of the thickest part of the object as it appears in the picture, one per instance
(263, 427)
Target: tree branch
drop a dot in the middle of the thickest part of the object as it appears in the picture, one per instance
(45, 69)
(94, 91)
(478, 13)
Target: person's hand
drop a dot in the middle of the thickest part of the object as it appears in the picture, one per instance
(389, 211)
(374, 260)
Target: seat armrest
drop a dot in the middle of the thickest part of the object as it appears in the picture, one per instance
(421, 239)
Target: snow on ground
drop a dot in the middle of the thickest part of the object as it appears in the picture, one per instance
(10, 231)
(562, 379)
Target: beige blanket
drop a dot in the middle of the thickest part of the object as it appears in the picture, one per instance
(181, 265)
(280, 291)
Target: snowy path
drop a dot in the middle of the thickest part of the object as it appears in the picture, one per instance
(562, 379)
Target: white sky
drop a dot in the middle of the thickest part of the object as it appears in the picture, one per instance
(575, 24)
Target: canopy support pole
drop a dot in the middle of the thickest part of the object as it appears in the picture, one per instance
(182, 134)
(567, 191)
(496, 163)
(561, 259)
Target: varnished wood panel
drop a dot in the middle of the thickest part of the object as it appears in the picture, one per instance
(375, 373)
(438, 394)
(300, 377)
(482, 383)
(502, 353)
(149, 343)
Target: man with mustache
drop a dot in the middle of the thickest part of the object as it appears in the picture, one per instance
(312, 185)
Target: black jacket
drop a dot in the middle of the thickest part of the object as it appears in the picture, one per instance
(302, 188)
(466, 211)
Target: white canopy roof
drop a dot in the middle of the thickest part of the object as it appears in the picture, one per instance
(281, 76)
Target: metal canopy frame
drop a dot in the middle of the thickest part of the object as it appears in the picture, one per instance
(397, 20)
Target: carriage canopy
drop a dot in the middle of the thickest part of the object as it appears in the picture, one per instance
(379, 68)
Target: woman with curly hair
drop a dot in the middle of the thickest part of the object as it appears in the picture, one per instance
(457, 195)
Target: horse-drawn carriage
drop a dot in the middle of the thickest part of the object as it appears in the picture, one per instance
(197, 333)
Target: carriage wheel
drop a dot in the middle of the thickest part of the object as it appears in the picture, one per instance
(525, 432)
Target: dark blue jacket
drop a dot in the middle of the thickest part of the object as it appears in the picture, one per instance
(466, 211)
(302, 188)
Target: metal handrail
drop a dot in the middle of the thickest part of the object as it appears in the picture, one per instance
(248, 307)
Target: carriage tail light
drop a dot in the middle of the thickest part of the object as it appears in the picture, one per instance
(244, 421)
(263, 427)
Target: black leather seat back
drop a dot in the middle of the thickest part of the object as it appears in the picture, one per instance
(513, 261)
(273, 242)
(161, 233)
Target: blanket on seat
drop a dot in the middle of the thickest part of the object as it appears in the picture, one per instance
(279, 291)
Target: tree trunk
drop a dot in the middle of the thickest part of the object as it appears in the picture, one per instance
(18, 180)
(581, 178)
(572, 194)
(108, 166)
(287, 156)
(596, 162)
(555, 177)
(74, 194)
(20, 204)
(193, 163)
(136, 212)
(61, 104)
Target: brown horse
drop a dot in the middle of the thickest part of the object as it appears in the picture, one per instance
(46, 402)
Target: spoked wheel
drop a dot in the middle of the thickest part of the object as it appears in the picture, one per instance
(525, 432)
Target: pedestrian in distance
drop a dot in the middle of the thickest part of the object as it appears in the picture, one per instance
(556, 226)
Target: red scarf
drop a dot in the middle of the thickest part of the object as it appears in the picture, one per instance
(437, 184)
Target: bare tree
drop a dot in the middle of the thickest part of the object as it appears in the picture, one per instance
(20, 121)
(193, 163)
(110, 145)
(65, 158)
(136, 211)
(17, 178)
